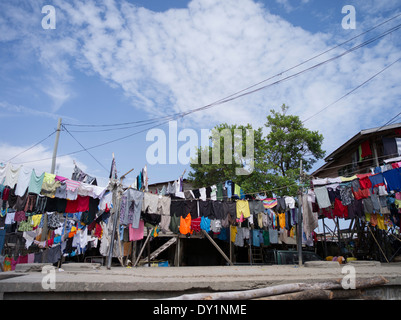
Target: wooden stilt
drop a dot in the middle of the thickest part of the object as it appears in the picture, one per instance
(217, 247)
(143, 247)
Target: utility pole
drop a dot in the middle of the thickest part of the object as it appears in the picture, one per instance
(299, 224)
(55, 147)
(117, 194)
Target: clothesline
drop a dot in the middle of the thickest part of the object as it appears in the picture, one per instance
(385, 161)
(341, 179)
(375, 196)
(26, 181)
(246, 194)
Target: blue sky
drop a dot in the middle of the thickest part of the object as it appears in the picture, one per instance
(110, 62)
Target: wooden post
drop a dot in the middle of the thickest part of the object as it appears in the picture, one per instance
(148, 247)
(339, 233)
(177, 256)
(116, 198)
(250, 253)
(133, 252)
(375, 154)
(117, 193)
(231, 246)
(178, 251)
(143, 247)
(299, 222)
(380, 248)
(217, 247)
(325, 240)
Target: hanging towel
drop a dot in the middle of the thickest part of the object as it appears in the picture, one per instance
(366, 151)
(389, 147)
(23, 181)
(322, 196)
(11, 175)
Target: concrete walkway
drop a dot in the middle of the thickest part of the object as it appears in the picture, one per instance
(91, 281)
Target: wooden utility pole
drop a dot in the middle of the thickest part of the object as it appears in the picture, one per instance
(116, 206)
(299, 222)
(117, 194)
(53, 168)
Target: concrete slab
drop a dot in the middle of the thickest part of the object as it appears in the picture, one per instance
(165, 282)
(362, 263)
(77, 267)
(322, 264)
(30, 267)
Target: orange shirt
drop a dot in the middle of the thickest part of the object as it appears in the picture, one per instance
(185, 225)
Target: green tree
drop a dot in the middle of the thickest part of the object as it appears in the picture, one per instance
(274, 164)
(226, 153)
(287, 143)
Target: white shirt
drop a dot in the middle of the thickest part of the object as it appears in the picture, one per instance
(24, 178)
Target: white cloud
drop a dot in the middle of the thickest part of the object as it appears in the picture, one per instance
(64, 165)
(286, 5)
(21, 28)
(190, 57)
(28, 158)
(187, 58)
(9, 109)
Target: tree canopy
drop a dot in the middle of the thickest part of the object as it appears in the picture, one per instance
(272, 165)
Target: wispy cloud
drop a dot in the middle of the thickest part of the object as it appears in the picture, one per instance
(11, 110)
(182, 59)
(65, 165)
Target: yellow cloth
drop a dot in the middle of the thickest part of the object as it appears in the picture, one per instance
(373, 219)
(73, 232)
(233, 233)
(155, 232)
(49, 178)
(281, 220)
(260, 219)
(344, 179)
(292, 232)
(243, 208)
(49, 185)
(36, 219)
(237, 190)
(380, 222)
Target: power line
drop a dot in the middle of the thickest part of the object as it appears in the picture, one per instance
(314, 66)
(97, 146)
(138, 122)
(126, 127)
(85, 149)
(235, 95)
(32, 146)
(314, 57)
(353, 90)
(388, 122)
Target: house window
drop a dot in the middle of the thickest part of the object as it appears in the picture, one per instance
(346, 171)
